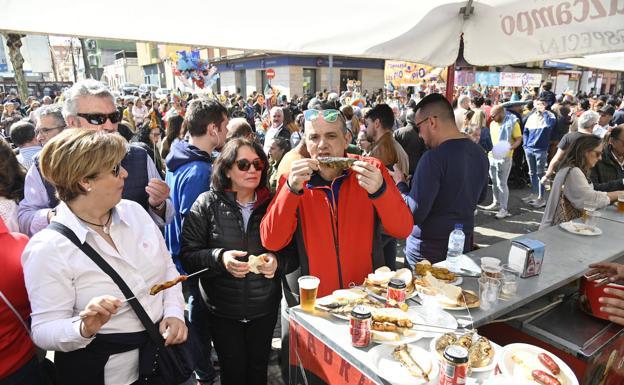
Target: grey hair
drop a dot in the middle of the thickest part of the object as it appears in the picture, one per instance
(588, 119)
(462, 99)
(53, 110)
(410, 116)
(275, 109)
(88, 87)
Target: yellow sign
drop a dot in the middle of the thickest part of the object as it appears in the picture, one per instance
(404, 73)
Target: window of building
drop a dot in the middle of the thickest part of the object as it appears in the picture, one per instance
(309, 81)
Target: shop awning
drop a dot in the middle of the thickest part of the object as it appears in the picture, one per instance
(495, 32)
(609, 61)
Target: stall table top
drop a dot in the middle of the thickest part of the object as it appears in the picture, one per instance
(611, 213)
(567, 257)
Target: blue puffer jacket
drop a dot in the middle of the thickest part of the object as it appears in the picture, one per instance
(538, 130)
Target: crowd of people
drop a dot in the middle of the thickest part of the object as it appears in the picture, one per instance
(232, 188)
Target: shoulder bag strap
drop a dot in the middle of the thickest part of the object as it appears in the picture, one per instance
(19, 317)
(102, 264)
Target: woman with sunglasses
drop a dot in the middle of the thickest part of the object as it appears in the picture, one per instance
(77, 308)
(572, 189)
(222, 233)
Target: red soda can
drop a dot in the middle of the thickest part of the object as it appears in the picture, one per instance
(360, 327)
(454, 366)
(396, 293)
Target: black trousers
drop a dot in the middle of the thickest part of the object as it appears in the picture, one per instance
(243, 348)
(29, 374)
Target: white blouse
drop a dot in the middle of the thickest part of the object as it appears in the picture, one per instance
(61, 280)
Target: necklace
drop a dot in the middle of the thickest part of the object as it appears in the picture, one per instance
(105, 227)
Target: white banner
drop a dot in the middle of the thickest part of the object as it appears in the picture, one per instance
(515, 31)
(497, 32)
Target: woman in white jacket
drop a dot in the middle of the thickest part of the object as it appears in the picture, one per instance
(573, 180)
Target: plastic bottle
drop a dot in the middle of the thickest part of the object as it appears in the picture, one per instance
(455, 248)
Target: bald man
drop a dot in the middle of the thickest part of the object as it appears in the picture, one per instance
(504, 127)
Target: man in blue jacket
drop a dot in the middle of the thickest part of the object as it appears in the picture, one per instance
(189, 168)
(535, 141)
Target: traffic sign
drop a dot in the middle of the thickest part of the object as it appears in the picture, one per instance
(270, 73)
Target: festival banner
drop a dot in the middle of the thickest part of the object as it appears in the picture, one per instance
(487, 78)
(511, 79)
(464, 78)
(531, 80)
(404, 73)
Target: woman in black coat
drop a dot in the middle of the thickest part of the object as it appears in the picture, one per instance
(221, 233)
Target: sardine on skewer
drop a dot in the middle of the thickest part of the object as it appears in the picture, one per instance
(401, 354)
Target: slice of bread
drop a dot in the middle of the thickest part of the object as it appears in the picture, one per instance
(255, 261)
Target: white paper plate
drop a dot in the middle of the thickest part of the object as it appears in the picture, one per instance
(580, 229)
(393, 371)
(488, 368)
(466, 263)
(528, 353)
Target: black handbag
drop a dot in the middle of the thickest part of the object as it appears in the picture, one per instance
(158, 364)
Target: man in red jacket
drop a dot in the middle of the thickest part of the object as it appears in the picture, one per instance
(335, 216)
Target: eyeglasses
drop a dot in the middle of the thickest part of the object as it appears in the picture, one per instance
(245, 164)
(329, 116)
(117, 170)
(99, 119)
(46, 131)
(417, 125)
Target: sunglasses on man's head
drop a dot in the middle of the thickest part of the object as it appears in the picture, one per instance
(99, 119)
(329, 116)
(245, 164)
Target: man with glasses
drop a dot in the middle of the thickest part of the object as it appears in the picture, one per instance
(90, 105)
(39, 195)
(334, 213)
(451, 178)
(333, 216)
(608, 174)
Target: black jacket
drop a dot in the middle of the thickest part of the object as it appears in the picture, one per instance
(214, 225)
(607, 174)
(412, 143)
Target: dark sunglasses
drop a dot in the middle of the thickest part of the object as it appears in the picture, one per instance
(329, 116)
(117, 170)
(244, 164)
(99, 119)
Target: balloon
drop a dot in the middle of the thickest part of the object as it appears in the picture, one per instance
(500, 149)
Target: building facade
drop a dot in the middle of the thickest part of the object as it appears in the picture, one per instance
(298, 75)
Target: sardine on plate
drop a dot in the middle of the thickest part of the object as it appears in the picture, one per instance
(401, 354)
